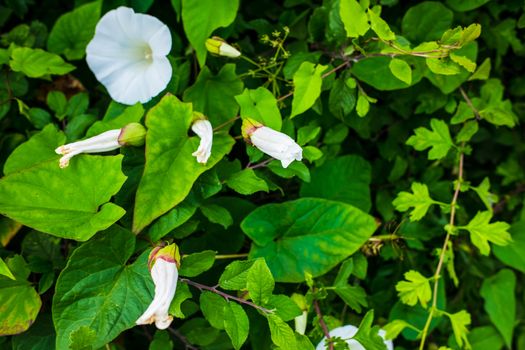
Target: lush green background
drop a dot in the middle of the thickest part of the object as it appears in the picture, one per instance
(408, 206)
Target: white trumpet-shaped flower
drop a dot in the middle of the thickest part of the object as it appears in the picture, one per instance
(128, 55)
(346, 333)
(132, 134)
(203, 129)
(274, 143)
(164, 272)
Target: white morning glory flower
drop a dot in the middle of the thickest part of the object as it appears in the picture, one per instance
(164, 272)
(347, 332)
(203, 129)
(274, 143)
(128, 55)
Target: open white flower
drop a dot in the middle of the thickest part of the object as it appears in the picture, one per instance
(132, 134)
(347, 332)
(274, 143)
(203, 129)
(128, 55)
(164, 272)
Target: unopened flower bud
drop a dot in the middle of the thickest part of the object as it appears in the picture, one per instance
(202, 127)
(219, 46)
(274, 143)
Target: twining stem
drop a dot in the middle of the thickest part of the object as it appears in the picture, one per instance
(323, 324)
(229, 121)
(187, 345)
(226, 296)
(261, 164)
(437, 274)
(231, 256)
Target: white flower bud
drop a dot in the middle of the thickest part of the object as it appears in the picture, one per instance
(346, 333)
(218, 46)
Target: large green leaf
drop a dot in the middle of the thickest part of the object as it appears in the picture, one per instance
(98, 292)
(376, 72)
(73, 31)
(308, 235)
(307, 83)
(345, 179)
(19, 301)
(214, 95)
(70, 203)
(426, 21)
(513, 254)
(170, 169)
(498, 291)
(201, 18)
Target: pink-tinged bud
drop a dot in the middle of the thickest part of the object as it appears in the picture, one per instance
(274, 143)
(202, 127)
(163, 264)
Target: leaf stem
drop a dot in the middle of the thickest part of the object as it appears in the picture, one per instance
(469, 103)
(187, 345)
(231, 256)
(229, 121)
(323, 325)
(261, 164)
(437, 274)
(226, 296)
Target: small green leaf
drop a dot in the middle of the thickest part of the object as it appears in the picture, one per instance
(57, 102)
(483, 71)
(367, 335)
(73, 31)
(260, 105)
(379, 26)
(213, 307)
(363, 105)
(482, 232)
(394, 328)
(460, 320)
(438, 139)
(498, 291)
(217, 214)
(246, 182)
(401, 70)
(36, 63)
(182, 294)
(284, 306)
(354, 18)
(513, 254)
(4, 270)
(235, 275)
(415, 288)
(236, 324)
(194, 264)
(307, 87)
(353, 296)
(259, 282)
(282, 335)
(419, 199)
(468, 130)
(464, 62)
(442, 66)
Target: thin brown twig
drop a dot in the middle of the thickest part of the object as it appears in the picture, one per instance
(469, 103)
(229, 121)
(225, 295)
(323, 325)
(187, 344)
(261, 164)
(437, 274)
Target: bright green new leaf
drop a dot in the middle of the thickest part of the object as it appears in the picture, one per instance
(201, 18)
(236, 324)
(4, 270)
(498, 291)
(468, 130)
(401, 70)
(117, 293)
(482, 232)
(259, 282)
(70, 203)
(419, 199)
(214, 95)
(260, 105)
(354, 18)
(363, 105)
(442, 66)
(483, 71)
(307, 235)
(170, 169)
(415, 288)
(464, 62)
(194, 264)
(246, 182)
(19, 301)
(488, 198)
(395, 327)
(379, 26)
(36, 63)
(460, 320)
(307, 83)
(367, 335)
(73, 31)
(438, 139)
(349, 181)
(282, 335)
